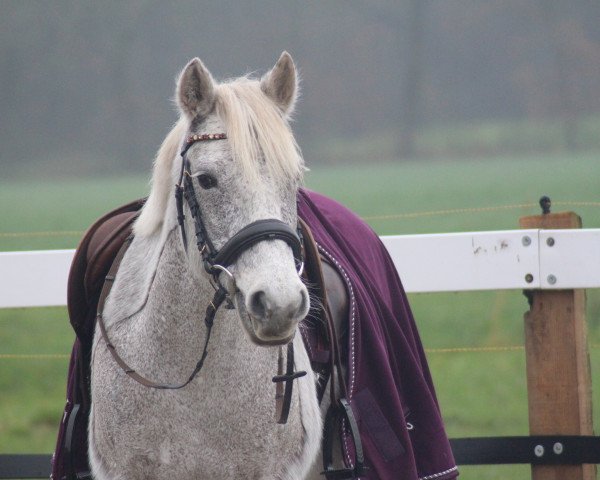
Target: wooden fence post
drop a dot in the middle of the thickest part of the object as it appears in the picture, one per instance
(559, 382)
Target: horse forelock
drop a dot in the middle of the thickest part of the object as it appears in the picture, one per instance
(257, 132)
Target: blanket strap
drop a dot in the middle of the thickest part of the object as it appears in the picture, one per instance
(339, 412)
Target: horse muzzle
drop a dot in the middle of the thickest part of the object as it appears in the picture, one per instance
(270, 315)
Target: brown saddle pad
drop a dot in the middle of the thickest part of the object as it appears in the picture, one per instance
(91, 263)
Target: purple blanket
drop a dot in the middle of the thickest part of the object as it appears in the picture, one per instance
(389, 384)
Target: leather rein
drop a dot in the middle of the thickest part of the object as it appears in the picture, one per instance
(215, 263)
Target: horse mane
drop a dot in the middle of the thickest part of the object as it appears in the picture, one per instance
(257, 131)
(152, 214)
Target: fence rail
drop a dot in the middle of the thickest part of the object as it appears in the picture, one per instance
(450, 262)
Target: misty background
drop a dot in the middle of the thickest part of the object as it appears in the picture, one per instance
(87, 87)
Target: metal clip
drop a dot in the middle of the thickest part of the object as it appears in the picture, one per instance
(216, 284)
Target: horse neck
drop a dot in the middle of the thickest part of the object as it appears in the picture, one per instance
(178, 297)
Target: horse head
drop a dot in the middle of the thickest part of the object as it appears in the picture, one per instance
(234, 153)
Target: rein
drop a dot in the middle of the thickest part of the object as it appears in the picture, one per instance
(215, 262)
(211, 311)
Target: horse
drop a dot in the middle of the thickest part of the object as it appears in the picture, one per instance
(211, 282)
(243, 168)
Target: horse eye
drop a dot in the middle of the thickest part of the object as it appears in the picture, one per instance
(207, 181)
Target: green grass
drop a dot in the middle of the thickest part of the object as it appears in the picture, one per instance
(54, 206)
(481, 393)
(33, 390)
(389, 189)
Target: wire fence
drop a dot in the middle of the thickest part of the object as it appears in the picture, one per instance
(396, 216)
(454, 211)
(432, 351)
(66, 233)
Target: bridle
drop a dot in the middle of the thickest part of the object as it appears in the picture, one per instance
(216, 262)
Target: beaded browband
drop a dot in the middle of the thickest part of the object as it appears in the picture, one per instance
(206, 136)
(191, 139)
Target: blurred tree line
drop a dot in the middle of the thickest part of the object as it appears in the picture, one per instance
(87, 86)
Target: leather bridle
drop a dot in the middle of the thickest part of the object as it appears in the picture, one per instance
(216, 262)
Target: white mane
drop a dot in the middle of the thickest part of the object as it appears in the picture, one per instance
(256, 130)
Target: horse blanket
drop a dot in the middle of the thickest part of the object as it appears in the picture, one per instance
(390, 388)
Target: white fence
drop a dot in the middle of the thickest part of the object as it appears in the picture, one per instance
(450, 262)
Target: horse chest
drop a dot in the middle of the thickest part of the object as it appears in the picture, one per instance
(219, 426)
(222, 425)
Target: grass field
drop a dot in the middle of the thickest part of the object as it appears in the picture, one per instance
(481, 393)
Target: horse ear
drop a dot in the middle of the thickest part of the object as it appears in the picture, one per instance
(281, 83)
(195, 89)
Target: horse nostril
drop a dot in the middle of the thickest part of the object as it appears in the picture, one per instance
(258, 304)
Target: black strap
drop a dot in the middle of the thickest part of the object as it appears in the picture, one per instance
(203, 242)
(253, 233)
(180, 214)
(283, 394)
(535, 450)
(335, 414)
(68, 440)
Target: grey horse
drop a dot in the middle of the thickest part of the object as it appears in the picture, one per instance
(221, 425)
